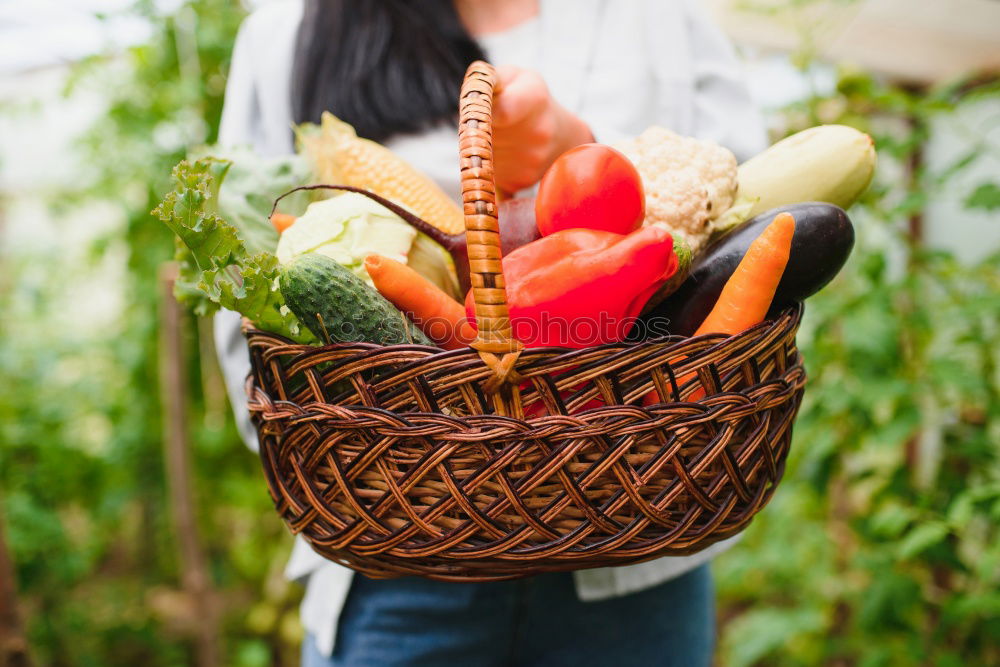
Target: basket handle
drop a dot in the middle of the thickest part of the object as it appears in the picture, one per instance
(495, 340)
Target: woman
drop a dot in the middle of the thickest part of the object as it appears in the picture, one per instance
(572, 71)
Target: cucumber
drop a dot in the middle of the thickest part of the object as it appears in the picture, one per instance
(828, 163)
(823, 240)
(338, 307)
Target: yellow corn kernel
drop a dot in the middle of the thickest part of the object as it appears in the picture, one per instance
(341, 157)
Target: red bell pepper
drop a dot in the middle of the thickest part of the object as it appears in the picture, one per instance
(582, 287)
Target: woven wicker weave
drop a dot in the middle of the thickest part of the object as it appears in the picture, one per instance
(494, 462)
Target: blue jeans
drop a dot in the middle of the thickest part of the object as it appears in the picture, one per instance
(536, 621)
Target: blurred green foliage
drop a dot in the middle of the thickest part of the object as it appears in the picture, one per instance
(81, 422)
(880, 548)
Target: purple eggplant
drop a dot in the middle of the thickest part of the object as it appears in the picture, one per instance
(823, 240)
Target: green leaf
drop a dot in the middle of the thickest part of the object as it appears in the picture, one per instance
(252, 184)
(231, 277)
(761, 633)
(986, 197)
(921, 538)
(189, 277)
(891, 520)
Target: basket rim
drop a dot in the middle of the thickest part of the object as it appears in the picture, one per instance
(795, 311)
(533, 362)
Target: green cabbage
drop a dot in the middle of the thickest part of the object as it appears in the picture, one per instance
(347, 228)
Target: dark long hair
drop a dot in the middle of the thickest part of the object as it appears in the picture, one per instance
(384, 66)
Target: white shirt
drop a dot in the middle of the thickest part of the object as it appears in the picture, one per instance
(620, 66)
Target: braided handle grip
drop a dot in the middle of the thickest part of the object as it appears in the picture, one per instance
(479, 203)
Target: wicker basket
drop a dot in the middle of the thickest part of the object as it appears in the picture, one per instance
(405, 459)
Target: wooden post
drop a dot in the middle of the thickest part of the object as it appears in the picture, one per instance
(13, 645)
(173, 390)
(915, 232)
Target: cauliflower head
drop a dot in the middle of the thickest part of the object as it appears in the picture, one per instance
(688, 182)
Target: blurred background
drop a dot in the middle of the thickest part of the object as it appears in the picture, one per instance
(135, 528)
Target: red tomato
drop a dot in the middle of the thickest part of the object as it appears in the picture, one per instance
(592, 186)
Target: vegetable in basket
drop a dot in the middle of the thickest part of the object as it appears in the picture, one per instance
(347, 228)
(583, 287)
(688, 183)
(282, 221)
(338, 307)
(516, 218)
(340, 156)
(684, 259)
(695, 188)
(439, 316)
(823, 240)
(350, 226)
(827, 163)
(591, 186)
(247, 188)
(749, 292)
(224, 273)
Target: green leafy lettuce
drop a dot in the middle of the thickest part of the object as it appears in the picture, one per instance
(249, 186)
(219, 266)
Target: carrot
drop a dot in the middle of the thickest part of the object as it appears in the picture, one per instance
(748, 293)
(282, 221)
(435, 313)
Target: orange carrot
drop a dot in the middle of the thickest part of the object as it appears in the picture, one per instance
(748, 293)
(282, 221)
(435, 313)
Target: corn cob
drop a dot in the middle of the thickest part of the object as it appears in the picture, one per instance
(341, 157)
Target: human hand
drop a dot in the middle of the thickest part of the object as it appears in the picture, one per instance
(530, 129)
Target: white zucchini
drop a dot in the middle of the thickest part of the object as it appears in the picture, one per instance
(828, 163)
